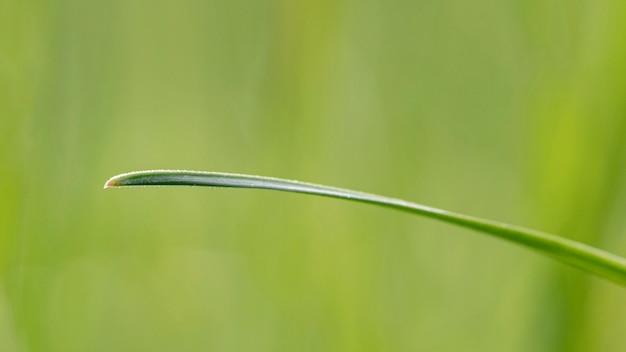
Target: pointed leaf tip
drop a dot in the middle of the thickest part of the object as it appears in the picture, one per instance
(110, 183)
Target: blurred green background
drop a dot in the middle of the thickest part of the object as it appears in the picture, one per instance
(510, 110)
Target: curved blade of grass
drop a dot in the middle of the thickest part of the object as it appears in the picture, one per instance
(593, 260)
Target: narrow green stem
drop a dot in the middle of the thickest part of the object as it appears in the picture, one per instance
(593, 260)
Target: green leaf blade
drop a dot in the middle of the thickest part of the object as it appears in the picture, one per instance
(582, 256)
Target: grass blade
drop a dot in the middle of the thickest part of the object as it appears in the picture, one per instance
(582, 256)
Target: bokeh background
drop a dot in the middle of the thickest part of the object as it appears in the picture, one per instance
(510, 110)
